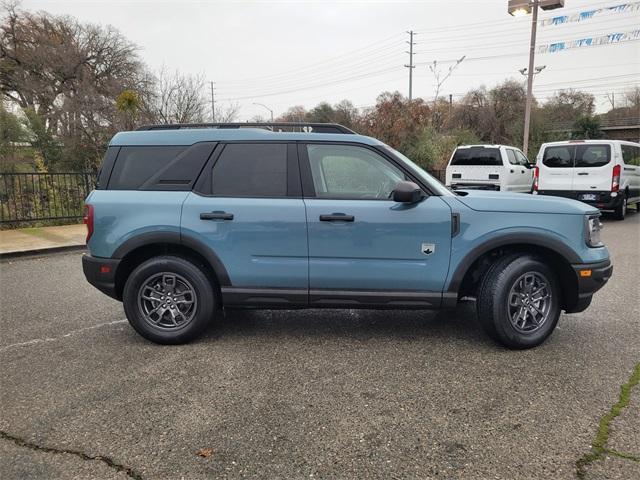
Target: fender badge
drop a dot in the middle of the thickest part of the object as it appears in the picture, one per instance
(428, 248)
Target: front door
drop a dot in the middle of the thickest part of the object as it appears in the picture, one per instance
(363, 246)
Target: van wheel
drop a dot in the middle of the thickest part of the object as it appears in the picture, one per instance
(621, 210)
(169, 300)
(518, 303)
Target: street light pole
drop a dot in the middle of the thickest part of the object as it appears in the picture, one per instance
(530, 73)
(263, 105)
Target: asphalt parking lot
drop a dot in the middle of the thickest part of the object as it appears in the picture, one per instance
(310, 394)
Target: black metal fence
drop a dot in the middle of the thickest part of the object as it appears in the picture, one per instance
(438, 174)
(43, 197)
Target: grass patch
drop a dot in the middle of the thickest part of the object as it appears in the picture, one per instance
(599, 445)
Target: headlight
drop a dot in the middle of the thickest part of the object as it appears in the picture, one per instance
(592, 230)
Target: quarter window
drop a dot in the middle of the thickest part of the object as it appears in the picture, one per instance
(350, 172)
(135, 165)
(251, 170)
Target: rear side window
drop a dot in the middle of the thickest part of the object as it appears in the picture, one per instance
(592, 155)
(136, 165)
(251, 170)
(631, 154)
(477, 156)
(558, 157)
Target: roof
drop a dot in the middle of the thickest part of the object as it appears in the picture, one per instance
(600, 141)
(486, 145)
(194, 135)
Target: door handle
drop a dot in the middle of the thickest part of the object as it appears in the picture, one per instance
(216, 216)
(337, 217)
(583, 173)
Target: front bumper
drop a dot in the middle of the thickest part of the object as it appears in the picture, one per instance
(603, 199)
(588, 284)
(101, 273)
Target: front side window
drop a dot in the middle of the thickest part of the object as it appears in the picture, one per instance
(522, 160)
(511, 155)
(477, 156)
(251, 170)
(351, 172)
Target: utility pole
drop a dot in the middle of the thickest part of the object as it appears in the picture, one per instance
(213, 105)
(450, 105)
(410, 66)
(530, 74)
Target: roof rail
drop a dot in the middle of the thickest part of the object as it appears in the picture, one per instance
(273, 126)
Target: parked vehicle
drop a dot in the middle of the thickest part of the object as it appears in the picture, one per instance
(489, 167)
(187, 221)
(602, 173)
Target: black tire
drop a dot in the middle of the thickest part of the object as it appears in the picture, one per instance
(621, 210)
(196, 306)
(494, 312)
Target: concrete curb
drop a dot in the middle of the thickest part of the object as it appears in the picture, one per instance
(41, 251)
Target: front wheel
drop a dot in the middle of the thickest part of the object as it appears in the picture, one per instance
(169, 300)
(518, 303)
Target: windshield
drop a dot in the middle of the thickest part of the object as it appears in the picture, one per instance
(477, 156)
(433, 183)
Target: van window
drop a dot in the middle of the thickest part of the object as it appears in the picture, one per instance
(592, 155)
(135, 165)
(251, 170)
(477, 156)
(558, 157)
(630, 154)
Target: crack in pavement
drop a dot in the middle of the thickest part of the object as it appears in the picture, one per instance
(100, 458)
(599, 445)
(36, 341)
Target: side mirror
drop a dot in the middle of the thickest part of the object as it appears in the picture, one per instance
(407, 192)
(529, 165)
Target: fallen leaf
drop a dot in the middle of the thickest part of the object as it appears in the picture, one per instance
(205, 452)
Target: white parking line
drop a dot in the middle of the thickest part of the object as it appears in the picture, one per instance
(36, 341)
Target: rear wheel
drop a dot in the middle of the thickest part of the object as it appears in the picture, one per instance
(621, 210)
(518, 303)
(169, 300)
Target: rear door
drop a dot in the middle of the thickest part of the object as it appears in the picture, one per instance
(556, 168)
(247, 208)
(593, 168)
(631, 169)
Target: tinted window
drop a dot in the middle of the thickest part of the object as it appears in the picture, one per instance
(592, 155)
(511, 155)
(631, 154)
(135, 165)
(477, 156)
(558, 157)
(346, 171)
(251, 170)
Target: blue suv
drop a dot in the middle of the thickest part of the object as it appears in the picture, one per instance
(188, 220)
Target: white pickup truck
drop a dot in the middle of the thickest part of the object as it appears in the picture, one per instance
(489, 167)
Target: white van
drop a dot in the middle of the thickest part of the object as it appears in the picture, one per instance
(602, 173)
(489, 167)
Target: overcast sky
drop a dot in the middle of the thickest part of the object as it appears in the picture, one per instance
(285, 53)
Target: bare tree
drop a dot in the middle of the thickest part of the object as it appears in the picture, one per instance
(175, 98)
(440, 78)
(227, 113)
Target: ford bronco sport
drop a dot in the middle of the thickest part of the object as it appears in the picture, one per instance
(187, 220)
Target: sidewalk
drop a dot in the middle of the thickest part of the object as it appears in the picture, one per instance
(33, 240)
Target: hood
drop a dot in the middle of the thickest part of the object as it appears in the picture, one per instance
(522, 203)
